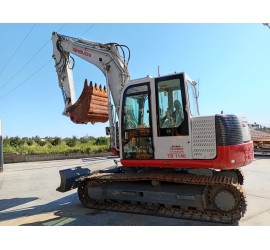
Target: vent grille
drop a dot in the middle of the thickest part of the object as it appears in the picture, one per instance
(203, 137)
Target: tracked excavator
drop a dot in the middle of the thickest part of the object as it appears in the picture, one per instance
(174, 162)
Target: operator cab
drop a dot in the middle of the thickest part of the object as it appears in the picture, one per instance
(155, 117)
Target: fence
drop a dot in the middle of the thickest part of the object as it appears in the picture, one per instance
(14, 158)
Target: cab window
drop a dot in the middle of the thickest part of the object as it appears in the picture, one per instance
(170, 106)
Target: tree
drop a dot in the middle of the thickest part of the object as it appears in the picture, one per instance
(71, 142)
(55, 141)
(102, 141)
(16, 142)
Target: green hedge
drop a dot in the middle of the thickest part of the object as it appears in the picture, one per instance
(51, 145)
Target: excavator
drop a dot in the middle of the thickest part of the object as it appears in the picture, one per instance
(174, 162)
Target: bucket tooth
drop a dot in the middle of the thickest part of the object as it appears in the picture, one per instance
(92, 105)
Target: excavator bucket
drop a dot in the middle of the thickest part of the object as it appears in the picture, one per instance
(92, 105)
(70, 178)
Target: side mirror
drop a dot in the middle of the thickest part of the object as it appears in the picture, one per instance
(108, 131)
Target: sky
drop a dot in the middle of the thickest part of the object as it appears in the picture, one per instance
(230, 60)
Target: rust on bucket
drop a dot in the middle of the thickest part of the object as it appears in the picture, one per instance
(92, 105)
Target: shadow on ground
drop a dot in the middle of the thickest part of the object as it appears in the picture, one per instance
(31, 210)
(9, 203)
(68, 211)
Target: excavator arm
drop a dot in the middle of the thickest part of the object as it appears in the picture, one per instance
(94, 104)
(104, 56)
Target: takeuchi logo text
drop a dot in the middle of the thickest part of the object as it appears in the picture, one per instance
(79, 51)
(176, 148)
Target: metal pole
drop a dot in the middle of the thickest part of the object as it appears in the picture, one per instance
(1, 149)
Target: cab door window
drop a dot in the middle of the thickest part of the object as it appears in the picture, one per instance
(172, 117)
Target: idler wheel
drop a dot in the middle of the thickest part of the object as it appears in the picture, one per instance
(224, 200)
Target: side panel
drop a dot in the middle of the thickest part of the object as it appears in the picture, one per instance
(203, 137)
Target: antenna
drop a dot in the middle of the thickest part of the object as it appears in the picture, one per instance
(158, 71)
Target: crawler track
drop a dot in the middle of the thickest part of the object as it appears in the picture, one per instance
(225, 202)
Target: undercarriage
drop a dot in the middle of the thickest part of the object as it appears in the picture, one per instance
(218, 198)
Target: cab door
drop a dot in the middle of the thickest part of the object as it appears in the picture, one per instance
(172, 137)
